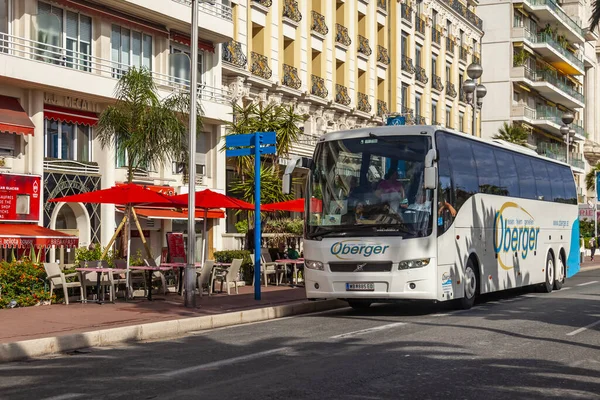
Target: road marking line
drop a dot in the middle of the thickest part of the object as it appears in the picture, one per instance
(575, 332)
(66, 396)
(221, 363)
(368, 330)
(587, 283)
(566, 288)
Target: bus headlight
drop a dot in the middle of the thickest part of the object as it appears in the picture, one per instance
(314, 265)
(409, 264)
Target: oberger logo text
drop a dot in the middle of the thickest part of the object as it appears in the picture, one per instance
(351, 248)
(515, 232)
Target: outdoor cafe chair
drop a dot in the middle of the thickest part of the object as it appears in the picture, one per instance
(266, 270)
(156, 275)
(203, 277)
(135, 276)
(90, 279)
(58, 280)
(225, 276)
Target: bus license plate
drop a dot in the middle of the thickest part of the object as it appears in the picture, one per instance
(366, 287)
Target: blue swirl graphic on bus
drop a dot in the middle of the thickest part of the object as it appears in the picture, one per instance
(353, 248)
(514, 234)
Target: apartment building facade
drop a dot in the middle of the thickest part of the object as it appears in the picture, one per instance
(348, 64)
(540, 64)
(59, 64)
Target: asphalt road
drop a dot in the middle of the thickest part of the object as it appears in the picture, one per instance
(517, 345)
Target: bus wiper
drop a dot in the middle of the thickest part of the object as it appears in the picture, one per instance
(342, 231)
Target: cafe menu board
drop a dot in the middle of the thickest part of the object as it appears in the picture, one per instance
(19, 198)
(176, 246)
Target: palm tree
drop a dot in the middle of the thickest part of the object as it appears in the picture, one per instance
(281, 119)
(512, 134)
(595, 18)
(151, 132)
(590, 177)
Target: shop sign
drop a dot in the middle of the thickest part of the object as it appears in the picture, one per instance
(19, 198)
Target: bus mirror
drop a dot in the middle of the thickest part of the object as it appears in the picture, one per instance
(287, 184)
(430, 179)
(430, 157)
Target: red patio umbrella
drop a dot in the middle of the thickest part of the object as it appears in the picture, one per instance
(296, 205)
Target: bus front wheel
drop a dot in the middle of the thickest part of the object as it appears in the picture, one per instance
(471, 286)
(548, 285)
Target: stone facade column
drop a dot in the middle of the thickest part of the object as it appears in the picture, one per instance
(106, 161)
(36, 143)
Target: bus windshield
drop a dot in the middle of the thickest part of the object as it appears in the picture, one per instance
(370, 186)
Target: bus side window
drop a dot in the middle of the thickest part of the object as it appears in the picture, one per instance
(569, 182)
(464, 170)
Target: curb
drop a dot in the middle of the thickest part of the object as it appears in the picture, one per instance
(156, 330)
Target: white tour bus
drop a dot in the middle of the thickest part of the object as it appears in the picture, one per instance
(422, 212)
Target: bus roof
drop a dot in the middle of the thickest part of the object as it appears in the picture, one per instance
(428, 130)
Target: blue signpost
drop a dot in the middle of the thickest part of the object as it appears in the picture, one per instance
(253, 144)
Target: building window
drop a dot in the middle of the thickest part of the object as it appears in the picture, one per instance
(130, 49)
(448, 72)
(418, 55)
(418, 105)
(449, 116)
(405, 95)
(433, 112)
(518, 19)
(4, 16)
(404, 44)
(433, 65)
(67, 37)
(461, 121)
(67, 141)
(180, 64)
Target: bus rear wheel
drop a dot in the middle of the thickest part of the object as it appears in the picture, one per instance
(561, 273)
(359, 304)
(471, 286)
(548, 285)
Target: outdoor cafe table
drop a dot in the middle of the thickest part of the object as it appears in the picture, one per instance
(295, 263)
(181, 266)
(99, 271)
(149, 271)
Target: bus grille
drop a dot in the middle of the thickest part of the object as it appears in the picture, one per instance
(360, 267)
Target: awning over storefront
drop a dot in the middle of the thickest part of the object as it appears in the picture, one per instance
(28, 235)
(13, 119)
(163, 213)
(185, 40)
(71, 116)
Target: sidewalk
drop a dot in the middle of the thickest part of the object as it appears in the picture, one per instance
(58, 319)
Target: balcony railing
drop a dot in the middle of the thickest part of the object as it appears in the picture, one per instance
(94, 66)
(318, 23)
(264, 3)
(421, 75)
(382, 108)
(290, 77)
(463, 53)
(450, 44)
(406, 12)
(561, 14)
(363, 46)
(547, 113)
(436, 35)
(233, 54)
(215, 9)
(341, 35)
(341, 95)
(462, 95)
(554, 80)
(462, 9)
(382, 55)
(75, 167)
(558, 152)
(260, 66)
(579, 129)
(407, 65)
(477, 58)
(420, 120)
(382, 4)
(363, 103)
(317, 87)
(450, 90)
(291, 10)
(436, 82)
(408, 114)
(548, 39)
(420, 24)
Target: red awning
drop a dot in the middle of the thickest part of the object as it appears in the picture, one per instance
(185, 39)
(27, 235)
(72, 116)
(114, 15)
(163, 213)
(13, 119)
(296, 205)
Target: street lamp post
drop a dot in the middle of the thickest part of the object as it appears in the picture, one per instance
(190, 268)
(475, 92)
(568, 133)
